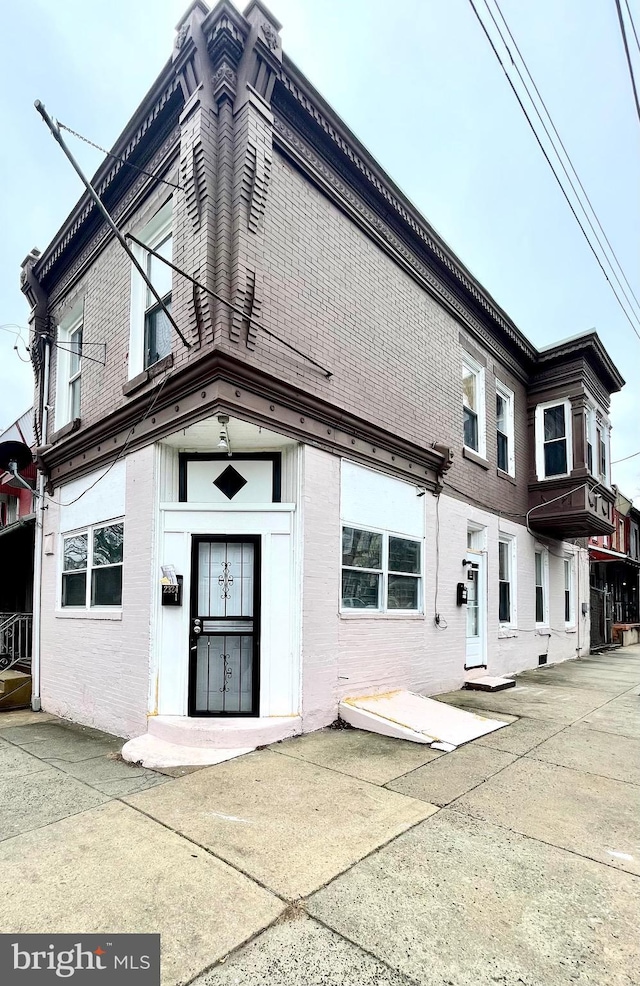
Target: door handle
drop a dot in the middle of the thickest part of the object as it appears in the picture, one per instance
(197, 629)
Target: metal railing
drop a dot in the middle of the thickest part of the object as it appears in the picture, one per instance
(15, 639)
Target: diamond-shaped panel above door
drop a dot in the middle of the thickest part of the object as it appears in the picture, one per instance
(230, 482)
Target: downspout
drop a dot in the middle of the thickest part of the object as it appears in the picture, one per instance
(38, 322)
(36, 703)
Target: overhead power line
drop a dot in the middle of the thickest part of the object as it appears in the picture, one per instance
(564, 149)
(635, 33)
(623, 32)
(556, 175)
(632, 456)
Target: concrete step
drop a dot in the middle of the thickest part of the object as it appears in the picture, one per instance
(489, 683)
(235, 732)
(153, 752)
(15, 690)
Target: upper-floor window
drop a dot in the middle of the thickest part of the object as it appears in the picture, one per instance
(380, 571)
(69, 368)
(473, 405)
(597, 430)
(634, 546)
(553, 440)
(92, 567)
(505, 429)
(9, 509)
(157, 327)
(621, 544)
(602, 451)
(150, 335)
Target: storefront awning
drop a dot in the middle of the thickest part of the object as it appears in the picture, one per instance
(596, 553)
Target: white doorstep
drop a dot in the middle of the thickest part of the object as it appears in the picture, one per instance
(153, 752)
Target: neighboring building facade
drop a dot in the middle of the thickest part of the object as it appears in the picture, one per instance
(17, 527)
(615, 578)
(362, 474)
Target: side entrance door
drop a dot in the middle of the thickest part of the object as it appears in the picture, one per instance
(224, 638)
(476, 609)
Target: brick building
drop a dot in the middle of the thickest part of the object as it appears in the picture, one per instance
(350, 440)
(614, 561)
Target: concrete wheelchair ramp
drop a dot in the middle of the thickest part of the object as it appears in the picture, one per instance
(405, 715)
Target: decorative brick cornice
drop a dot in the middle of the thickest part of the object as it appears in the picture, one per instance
(119, 214)
(112, 171)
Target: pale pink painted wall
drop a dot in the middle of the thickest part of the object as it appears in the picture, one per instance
(321, 560)
(376, 653)
(96, 672)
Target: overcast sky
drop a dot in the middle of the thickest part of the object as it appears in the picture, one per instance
(419, 85)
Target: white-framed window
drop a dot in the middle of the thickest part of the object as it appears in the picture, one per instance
(69, 367)
(591, 438)
(92, 567)
(541, 565)
(507, 580)
(602, 449)
(569, 603)
(505, 402)
(9, 509)
(381, 571)
(473, 405)
(554, 454)
(151, 332)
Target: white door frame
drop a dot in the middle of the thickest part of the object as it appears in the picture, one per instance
(476, 646)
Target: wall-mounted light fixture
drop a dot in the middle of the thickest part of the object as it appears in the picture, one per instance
(225, 442)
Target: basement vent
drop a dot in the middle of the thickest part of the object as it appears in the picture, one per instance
(542, 659)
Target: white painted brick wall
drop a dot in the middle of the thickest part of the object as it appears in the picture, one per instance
(377, 653)
(97, 671)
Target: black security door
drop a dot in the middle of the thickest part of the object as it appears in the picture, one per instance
(225, 626)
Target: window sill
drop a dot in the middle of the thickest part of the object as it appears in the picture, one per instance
(88, 614)
(501, 474)
(570, 629)
(67, 429)
(507, 632)
(143, 378)
(472, 456)
(364, 614)
(543, 629)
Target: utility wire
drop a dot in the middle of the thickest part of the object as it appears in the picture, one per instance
(632, 456)
(116, 157)
(635, 33)
(555, 174)
(561, 142)
(628, 56)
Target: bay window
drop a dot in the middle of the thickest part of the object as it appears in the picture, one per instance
(554, 454)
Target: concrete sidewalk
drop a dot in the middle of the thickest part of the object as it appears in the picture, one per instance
(345, 858)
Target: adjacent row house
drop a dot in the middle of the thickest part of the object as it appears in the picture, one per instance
(342, 470)
(615, 578)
